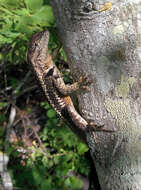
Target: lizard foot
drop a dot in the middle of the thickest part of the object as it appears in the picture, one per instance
(93, 127)
(84, 82)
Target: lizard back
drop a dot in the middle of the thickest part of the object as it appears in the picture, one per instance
(45, 68)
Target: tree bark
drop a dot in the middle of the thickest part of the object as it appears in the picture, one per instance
(106, 46)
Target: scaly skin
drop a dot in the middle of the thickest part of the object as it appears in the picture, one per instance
(56, 91)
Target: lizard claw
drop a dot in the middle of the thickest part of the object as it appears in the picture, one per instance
(86, 88)
(84, 82)
(94, 127)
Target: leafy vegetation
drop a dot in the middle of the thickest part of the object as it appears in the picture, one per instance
(60, 157)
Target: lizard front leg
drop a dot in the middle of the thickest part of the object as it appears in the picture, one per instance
(67, 89)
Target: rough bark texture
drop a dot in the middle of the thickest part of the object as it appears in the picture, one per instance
(107, 46)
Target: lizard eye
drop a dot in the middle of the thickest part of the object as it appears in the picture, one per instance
(35, 44)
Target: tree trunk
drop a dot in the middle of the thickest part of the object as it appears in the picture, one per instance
(106, 46)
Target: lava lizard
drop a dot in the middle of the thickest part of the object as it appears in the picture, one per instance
(56, 91)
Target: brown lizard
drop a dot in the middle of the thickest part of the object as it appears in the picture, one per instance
(56, 91)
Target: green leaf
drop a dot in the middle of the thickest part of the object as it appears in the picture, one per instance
(45, 105)
(56, 159)
(33, 5)
(1, 131)
(11, 35)
(10, 3)
(73, 182)
(22, 12)
(50, 164)
(76, 183)
(3, 104)
(2, 118)
(4, 40)
(14, 82)
(44, 16)
(51, 113)
(45, 160)
(82, 148)
(69, 156)
(47, 184)
(36, 176)
(24, 24)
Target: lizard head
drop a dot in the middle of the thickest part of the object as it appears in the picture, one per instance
(38, 47)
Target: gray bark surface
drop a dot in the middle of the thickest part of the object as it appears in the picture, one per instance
(106, 46)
